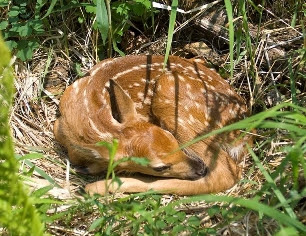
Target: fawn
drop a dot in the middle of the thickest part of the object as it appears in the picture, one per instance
(151, 111)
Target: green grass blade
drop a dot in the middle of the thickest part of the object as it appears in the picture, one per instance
(229, 10)
(292, 82)
(49, 11)
(250, 204)
(171, 29)
(42, 173)
(277, 192)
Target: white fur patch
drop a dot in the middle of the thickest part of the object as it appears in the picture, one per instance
(235, 151)
(102, 135)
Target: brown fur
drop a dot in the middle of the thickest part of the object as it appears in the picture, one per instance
(155, 111)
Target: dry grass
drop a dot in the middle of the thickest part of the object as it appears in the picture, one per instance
(40, 82)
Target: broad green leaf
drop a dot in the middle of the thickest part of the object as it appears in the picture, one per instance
(102, 19)
(3, 25)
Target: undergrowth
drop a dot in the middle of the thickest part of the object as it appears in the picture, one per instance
(272, 199)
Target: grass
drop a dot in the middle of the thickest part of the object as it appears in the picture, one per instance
(269, 199)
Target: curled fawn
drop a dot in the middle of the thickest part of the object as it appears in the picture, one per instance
(151, 111)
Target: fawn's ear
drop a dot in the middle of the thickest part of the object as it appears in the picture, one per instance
(122, 105)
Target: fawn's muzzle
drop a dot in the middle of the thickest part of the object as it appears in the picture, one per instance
(199, 169)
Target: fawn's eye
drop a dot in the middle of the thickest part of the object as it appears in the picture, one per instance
(161, 168)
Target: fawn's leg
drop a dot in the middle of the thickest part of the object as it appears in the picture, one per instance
(225, 174)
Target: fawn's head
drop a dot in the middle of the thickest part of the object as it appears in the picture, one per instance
(140, 138)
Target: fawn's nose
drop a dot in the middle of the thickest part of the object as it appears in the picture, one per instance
(202, 171)
(198, 168)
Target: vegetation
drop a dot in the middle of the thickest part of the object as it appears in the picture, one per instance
(17, 212)
(57, 41)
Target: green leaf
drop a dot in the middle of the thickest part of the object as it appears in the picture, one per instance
(26, 48)
(194, 221)
(140, 161)
(3, 25)
(180, 215)
(213, 210)
(102, 19)
(160, 224)
(11, 44)
(13, 13)
(30, 156)
(178, 228)
(96, 223)
(24, 30)
(42, 191)
(91, 9)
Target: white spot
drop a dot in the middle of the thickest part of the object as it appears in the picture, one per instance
(104, 101)
(159, 87)
(95, 70)
(229, 91)
(231, 111)
(188, 86)
(191, 118)
(107, 84)
(203, 90)
(209, 78)
(181, 78)
(140, 95)
(190, 95)
(136, 84)
(211, 87)
(206, 123)
(96, 154)
(167, 101)
(86, 104)
(150, 92)
(198, 60)
(75, 86)
(147, 101)
(190, 68)
(181, 121)
(198, 105)
(138, 105)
